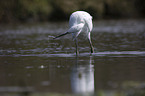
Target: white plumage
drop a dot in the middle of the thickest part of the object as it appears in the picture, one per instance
(80, 21)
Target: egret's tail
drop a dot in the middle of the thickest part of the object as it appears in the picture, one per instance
(61, 35)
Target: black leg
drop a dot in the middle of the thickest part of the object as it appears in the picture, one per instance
(76, 44)
(91, 46)
(90, 42)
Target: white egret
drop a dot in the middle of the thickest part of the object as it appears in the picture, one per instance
(80, 21)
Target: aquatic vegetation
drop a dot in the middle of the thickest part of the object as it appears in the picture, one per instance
(58, 10)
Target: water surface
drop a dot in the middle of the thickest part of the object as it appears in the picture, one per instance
(32, 63)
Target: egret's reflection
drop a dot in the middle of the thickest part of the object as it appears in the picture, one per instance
(82, 77)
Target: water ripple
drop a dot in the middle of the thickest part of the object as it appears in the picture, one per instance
(105, 53)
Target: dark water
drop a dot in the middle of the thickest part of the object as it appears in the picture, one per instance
(33, 64)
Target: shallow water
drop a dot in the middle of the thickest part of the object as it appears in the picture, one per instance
(32, 62)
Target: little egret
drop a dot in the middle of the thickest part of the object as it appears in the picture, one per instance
(80, 21)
